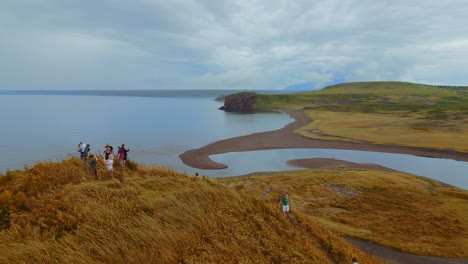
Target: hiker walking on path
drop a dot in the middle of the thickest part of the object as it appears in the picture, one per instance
(122, 153)
(93, 165)
(285, 204)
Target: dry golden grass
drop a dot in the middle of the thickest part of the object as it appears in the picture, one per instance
(58, 213)
(406, 129)
(406, 212)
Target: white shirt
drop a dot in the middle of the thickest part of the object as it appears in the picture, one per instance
(109, 164)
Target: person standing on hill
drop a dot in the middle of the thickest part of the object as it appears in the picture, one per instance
(93, 165)
(84, 153)
(120, 155)
(108, 149)
(81, 147)
(285, 204)
(109, 163)
(124, 155)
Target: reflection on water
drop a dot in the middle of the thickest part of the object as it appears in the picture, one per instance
(444, 170)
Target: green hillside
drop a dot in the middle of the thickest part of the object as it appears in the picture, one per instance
(384, 88)
(373, 97)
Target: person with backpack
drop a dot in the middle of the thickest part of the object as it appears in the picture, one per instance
(284, 201)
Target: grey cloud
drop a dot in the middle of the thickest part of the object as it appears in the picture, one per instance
(151, 44)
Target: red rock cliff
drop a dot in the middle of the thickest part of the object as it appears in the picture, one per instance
(240, 102)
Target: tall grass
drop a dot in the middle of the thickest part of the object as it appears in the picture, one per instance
(58, 213)
(402, 211)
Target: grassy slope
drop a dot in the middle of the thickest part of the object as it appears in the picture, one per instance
(57, 213)
(398, 210)
(392, 209)
(382, 112)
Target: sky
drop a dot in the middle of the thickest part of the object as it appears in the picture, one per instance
(238, 44)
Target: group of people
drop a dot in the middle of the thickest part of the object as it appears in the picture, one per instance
(108, 154)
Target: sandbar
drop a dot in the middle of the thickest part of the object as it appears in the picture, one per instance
(285, 137)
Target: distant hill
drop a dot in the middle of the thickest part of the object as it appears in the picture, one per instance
(397, 88)
(306, 86)
(371, 97)
(310, 86)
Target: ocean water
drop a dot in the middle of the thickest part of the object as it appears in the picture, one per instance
(158, 128)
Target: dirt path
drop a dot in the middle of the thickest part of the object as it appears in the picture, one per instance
(394, 256)
(286, 138)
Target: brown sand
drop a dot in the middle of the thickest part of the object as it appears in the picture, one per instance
(323, 163)
(286, 138)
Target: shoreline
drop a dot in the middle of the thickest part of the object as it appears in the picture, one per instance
(285, 138)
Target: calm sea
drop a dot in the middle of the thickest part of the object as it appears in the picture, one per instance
(156, 129)
(159, 127)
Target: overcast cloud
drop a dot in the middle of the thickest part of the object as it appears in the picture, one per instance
(241, 44)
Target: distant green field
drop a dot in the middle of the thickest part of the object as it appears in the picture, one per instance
(373, 97)
(391, 113)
